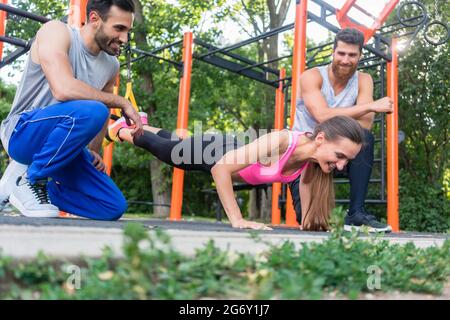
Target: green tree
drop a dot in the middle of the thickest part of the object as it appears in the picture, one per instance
(424, 117)
(6, 98)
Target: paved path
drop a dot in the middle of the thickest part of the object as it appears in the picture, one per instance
(22, 237)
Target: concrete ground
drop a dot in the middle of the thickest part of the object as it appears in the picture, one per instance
(23, 238)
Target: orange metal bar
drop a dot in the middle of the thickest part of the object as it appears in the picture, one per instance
(77, 13)
(278, 125)
(345, 22)
(182, 124)
(108, 152)
(388, 8)
(109, 149)
(77, 7)
(345, 9)
(2, 26)
(298, 67)
(299, 54)
(392, 142)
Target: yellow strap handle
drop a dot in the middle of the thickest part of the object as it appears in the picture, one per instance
(129, 95)
(116, 111)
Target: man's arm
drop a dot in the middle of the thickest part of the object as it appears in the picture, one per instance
(52, 47)
(51, 52)
(310, 84)
(365, 96)
(236, 160)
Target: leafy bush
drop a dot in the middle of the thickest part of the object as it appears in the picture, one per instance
(423, 207)
(152, 269)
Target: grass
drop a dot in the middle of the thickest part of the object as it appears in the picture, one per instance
(152, 269)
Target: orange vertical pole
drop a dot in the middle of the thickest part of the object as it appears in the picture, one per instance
(108, 152)
(299, 54)
(298, 67)
(278, 125)
(182, 124)
(77, 16)
(77, 13)
(2, 26)
(392, 142)
(109, 149)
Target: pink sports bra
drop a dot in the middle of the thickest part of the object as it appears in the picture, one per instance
(257, 173)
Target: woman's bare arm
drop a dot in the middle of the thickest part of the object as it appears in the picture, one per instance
(236, 160)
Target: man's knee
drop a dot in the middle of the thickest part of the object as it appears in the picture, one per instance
(91, 115)
(116, 209)
(96, 111)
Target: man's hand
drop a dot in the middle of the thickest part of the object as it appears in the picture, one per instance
(382, 105)
(131, 114)
(244, 224)
(98, 162)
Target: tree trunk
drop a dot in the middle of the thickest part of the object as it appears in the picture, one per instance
(266, 204)
(160, 191)
(159, 182)
(253, 205)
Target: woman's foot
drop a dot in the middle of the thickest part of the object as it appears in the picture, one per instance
(114, 128)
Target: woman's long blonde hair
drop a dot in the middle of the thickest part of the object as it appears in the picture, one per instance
(322, 188)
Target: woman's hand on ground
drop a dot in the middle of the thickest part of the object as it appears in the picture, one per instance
(245, 224)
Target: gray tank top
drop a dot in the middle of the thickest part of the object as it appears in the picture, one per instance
(304, 121)
(34, 91)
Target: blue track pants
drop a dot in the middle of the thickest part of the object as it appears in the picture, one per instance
(52, 141)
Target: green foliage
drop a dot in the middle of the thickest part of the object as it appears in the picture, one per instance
(424, 118)
(6, 98)
(150, 268)
(424, 207)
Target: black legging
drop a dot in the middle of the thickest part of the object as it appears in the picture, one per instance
(199, 152)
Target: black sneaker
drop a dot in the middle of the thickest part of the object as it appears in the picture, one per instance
(361, 219)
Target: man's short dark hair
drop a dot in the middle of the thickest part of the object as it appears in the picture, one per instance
(102, 7)
(350, 36)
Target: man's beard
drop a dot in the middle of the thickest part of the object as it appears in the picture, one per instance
(104, 42)
(349, 71)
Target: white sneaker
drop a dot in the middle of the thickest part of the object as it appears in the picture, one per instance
(32, 200)
(4, 205)
(8, 181)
